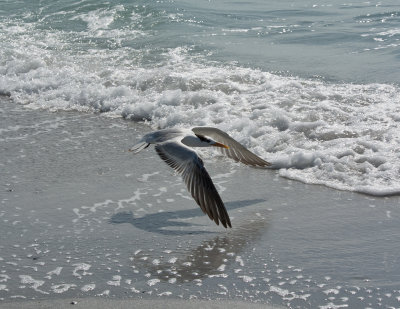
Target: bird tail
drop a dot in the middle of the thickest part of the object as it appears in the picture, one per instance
(139, 146)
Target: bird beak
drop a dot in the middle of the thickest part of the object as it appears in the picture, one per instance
(220, 145)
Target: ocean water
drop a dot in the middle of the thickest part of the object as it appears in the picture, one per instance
(312, 86)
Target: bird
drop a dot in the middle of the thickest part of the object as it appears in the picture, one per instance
(174, 146)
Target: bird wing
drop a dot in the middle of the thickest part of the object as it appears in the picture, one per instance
(188, 164)
(236, 151)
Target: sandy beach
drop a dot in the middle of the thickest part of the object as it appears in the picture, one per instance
(84, 220)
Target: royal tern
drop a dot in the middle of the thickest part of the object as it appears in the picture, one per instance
(174, 147)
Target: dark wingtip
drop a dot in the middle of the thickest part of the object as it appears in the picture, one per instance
(226, 223)
(267, 163)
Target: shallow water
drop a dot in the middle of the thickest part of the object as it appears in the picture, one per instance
(81, 216)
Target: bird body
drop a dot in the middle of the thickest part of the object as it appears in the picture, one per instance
(174, 146)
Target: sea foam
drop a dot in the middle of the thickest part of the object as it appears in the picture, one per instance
(341, 135)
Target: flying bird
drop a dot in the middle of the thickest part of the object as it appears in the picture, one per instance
(174, 146)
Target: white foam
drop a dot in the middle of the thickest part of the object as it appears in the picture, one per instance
(331, 291)
(340, 135)
(4, 277)
(81, 269)
(34, 284)
(18, 296)
(99, 23)
(116, 281)
(104, 293)
(152, 282)
(56, 271)
(88, 287)
(239, 260)
(279, 291)
(221, 267)
(145, 177)
(61, 288)
(3, 287)
(172, 260)
(132, 200)
(161, 190)
(247, 278)
(333, 306)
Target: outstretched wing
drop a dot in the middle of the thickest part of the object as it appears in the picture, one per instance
(188, 164)
(236, 151)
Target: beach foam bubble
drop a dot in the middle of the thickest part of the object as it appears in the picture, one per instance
(33, 283)
(61, 288)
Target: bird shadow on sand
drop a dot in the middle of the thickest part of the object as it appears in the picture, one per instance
(162, 222)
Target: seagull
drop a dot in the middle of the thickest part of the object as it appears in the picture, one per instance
(174, 146)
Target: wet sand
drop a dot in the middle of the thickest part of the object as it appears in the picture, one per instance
(101, 303)
(83, 219)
